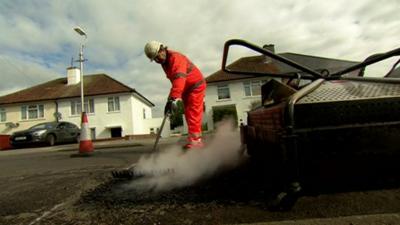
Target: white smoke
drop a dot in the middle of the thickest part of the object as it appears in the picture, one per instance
(172, 168)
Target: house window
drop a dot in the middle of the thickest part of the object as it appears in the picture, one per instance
(144, 113)
(32, 112)
(113, 104)
(3, 116)
(252, 88)
(93, 133)
(223, 92)
(76, 107)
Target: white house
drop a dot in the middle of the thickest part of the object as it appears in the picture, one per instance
(238, 92)
(113, 109)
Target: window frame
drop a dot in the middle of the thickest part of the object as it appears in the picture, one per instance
(113, 104)
(251, 85)
(75, 107)
(223, 87)
(3, 115)
(32, 112)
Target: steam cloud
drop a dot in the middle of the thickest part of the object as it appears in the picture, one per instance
(223, 151)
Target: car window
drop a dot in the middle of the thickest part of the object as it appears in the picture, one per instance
(71, 126)
(42, 126)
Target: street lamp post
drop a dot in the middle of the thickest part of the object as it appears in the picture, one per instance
(85, 143)
(81, 32)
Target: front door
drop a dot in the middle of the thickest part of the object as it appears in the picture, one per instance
(116, 132)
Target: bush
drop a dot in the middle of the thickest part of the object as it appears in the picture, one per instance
(224, 112)
(204, 127)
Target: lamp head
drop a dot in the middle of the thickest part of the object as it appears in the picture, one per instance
(80, 31)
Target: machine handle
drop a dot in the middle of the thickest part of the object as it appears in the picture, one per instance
(312, 74)
(368, 61)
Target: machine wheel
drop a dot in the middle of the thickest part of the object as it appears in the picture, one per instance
(285, 200)
(282, 202)
(51, 140)
(252, 150)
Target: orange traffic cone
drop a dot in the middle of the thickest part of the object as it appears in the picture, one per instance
(85, 143)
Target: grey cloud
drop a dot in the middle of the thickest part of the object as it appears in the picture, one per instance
(19, 74)
(40, 33)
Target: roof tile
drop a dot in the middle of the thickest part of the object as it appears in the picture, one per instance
(97, 84)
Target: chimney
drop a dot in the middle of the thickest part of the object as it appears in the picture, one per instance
(73, 75)
(271, 48)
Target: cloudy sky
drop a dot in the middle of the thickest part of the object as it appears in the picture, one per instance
(37, 40)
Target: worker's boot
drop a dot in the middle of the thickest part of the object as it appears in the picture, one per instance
(193, 143)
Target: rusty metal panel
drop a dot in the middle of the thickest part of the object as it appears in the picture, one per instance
(267, 123)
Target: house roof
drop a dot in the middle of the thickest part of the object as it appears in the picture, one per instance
(259, 64)
(395, 73)
(96, 84)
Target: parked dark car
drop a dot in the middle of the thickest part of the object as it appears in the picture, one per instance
(50, 133)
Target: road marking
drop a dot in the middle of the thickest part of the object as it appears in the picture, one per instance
(46, 213)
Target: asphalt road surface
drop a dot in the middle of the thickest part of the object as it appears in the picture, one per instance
(51, 187)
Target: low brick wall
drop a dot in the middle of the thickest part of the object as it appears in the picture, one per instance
(127, 137)
(141, 136)
(5, 142)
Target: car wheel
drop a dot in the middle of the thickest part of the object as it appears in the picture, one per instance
(51, 140)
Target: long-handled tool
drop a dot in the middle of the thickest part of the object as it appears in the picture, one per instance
(130, 173)
(159, 132)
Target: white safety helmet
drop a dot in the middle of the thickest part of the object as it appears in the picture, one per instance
(151, 49)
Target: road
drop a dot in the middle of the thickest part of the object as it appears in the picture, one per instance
(48, 186)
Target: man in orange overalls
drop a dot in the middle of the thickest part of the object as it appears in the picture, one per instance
(188, 85)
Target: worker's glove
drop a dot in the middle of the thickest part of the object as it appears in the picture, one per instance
(171, 107)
